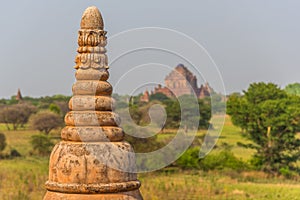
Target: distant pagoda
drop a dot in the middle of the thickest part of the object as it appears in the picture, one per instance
(92, 162)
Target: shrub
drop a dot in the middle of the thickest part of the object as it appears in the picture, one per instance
(189, 160)
(14, 153)
(287, 173)
(2, 141)
(41, 144)
(222, 160)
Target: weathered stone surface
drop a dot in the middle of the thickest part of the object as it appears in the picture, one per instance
(92, 88)
(91, 60)
(93, 188)
(88, 118)
(92, 19)
(97, 103)
(132, 195)
(90, 74)
(92, 134)
(92, 161)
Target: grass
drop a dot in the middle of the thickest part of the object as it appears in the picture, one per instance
(23, 178)
(19, 140)
(214, 186)
(231, 135)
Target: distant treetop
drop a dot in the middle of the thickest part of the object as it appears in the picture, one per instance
(293, 89)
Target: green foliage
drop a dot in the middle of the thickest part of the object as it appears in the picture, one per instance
(190, 159)
(45, 121)
(189, 112)
(2, 142)
(14, 153)
(270, 119)
(260, 92)
(143, 145)
(236, 107)
(217, 102)
(293, 89)
(224, 159)
(41, 144)
(159, 97)
(183, 111)
(287, 173)
(135, 113)
(54, 108)
(205, 114)
(41, 102)
(140, 144)
(173, 114)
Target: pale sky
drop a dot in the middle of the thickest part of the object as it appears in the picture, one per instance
(249, 41)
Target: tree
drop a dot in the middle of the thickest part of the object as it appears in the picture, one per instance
(63, 107)
(135, 113)
(189, 111)
(159, 96)
(217, 102)
(293, 89)
(173, 114)
(17, 114)
(271, 120)
(205, 114)
(54, 108)
(45, 121)
(236, 107)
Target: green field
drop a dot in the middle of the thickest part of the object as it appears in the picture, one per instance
(23, 178)
(216, 185)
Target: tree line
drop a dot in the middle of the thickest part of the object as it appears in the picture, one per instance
(267, 115)
(43, 114)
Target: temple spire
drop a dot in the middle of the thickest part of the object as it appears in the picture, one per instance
(19, 95)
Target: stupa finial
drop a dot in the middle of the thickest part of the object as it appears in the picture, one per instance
(92, 161)
(92, 19)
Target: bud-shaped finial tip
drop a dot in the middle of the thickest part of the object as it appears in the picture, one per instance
(92, 19)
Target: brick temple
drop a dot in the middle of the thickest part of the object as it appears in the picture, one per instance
(179, 82)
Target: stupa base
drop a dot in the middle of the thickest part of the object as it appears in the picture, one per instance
(131, 195)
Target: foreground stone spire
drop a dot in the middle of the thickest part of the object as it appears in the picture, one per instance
(92, 161)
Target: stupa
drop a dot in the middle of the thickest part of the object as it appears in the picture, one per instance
(92, 161)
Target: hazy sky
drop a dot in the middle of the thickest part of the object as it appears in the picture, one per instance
(249, 41)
